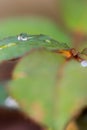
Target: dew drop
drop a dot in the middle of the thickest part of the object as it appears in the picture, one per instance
(10, 102)
(23, 37)
(84, 63)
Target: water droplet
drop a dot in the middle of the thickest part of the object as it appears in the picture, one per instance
(84, 63)
(10, 102)
(23, 37)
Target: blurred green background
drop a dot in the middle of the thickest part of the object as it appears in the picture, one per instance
(63, 20)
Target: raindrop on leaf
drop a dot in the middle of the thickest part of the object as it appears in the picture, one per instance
(23, 37)
(84, 63)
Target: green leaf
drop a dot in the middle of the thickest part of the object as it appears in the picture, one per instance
(17, 46)
(35, 85)
(72, 93)
(48, 91)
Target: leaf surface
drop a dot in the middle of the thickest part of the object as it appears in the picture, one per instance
(35, 84)
(17, 46)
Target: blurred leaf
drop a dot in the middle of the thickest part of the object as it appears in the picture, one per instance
(32, 25)
(74, 14)
(17, 46)
(35, 85)
(48, 93)
(72, 93)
